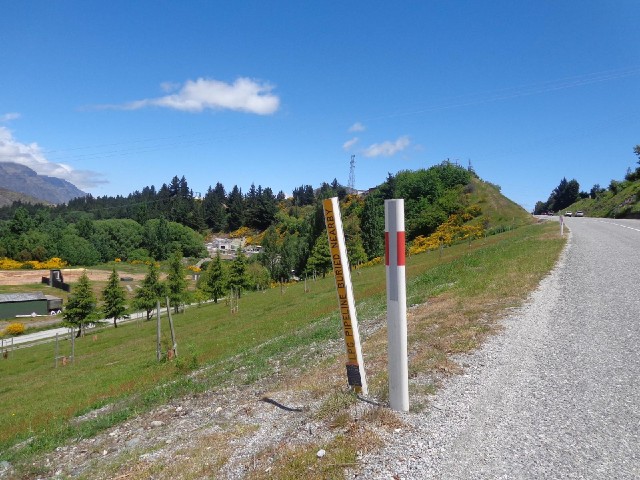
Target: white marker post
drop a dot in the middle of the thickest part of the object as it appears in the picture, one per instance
(396, 305)
(346, 303)
(561, 226)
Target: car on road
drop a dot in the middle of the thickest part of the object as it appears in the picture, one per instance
(579, 213)
(568, 214)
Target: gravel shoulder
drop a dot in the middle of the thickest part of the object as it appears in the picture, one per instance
(556, 394)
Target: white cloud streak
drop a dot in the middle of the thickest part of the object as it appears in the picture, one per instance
(31, 155)
(243, 95)
(350, 143)
(387, 149)
(7, 117)
(357, 127)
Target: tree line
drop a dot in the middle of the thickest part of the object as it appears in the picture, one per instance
(568, 192)
(152, 224)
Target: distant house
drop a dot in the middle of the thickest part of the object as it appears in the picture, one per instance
(229, 246)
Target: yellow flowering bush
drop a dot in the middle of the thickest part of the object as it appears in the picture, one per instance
(9, 264)
(15, 328)
(52, 263)
(255, 239)
(241, 232)
(370, 263)
(450, 231)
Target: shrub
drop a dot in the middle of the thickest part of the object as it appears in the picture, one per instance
(15, 328)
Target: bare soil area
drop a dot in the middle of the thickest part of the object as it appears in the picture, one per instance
(70, 275)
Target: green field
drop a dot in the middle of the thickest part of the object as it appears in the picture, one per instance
(467, 284)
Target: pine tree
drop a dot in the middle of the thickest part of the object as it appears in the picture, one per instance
(114, 298)
(151, 290)
(320, 259)
(176, 283)
(238, 278)
(81, 306)
(236, 211)
(216, 279)
(372, 225)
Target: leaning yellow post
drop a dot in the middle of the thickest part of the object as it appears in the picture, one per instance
(355, 366)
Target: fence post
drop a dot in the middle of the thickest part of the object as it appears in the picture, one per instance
(158, 349)
(173, 334)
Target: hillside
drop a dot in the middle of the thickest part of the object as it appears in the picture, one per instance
(444, 204)
(7, 197)
(622, 202)
(22, 179)
(621, 199)
(497, 210)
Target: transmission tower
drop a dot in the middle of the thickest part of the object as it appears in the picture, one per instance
(352, 174)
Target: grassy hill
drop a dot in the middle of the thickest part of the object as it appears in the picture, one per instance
(623, 202)
(497, 210)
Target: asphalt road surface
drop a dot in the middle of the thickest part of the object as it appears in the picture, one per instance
(557, 394)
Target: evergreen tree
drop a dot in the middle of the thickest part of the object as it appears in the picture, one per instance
(372, 225)
(566, 193)
(236, 211)
(320, 258)
(215, 279)
(238, 279)
(159, 240)
(355, 251)
(151, 290)
(271, 253)
(114, 298)
(213, 206)
(81, 307)
(176, 283)
(266, 209)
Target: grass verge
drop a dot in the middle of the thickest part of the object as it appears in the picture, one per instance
(455, 298)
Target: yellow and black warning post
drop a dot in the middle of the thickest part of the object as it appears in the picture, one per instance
(355, 366)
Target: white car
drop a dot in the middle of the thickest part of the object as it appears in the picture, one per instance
(568, 214)
(579, 213)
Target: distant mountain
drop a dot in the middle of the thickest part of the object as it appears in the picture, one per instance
(21, 179)
(7, 197)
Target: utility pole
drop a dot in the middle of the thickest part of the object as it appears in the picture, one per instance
(352, 175)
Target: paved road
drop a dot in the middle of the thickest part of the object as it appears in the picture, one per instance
(30, 339)
(557, 395)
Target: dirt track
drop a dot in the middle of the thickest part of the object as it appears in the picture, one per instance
(23, 277)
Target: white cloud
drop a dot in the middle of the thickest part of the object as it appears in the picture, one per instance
(31, 155)
(350, 143)
(169, 86)
(244, 95)
(7, 117)
(357, 127)
(387, 149)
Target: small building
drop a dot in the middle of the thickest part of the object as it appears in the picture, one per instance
(12, 304)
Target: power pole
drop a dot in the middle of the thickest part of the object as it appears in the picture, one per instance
(352, 174)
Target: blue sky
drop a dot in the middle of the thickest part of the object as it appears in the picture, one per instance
(118, 95)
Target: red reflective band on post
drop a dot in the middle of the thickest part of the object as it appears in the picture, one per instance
(386, 248)
(400, 256)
